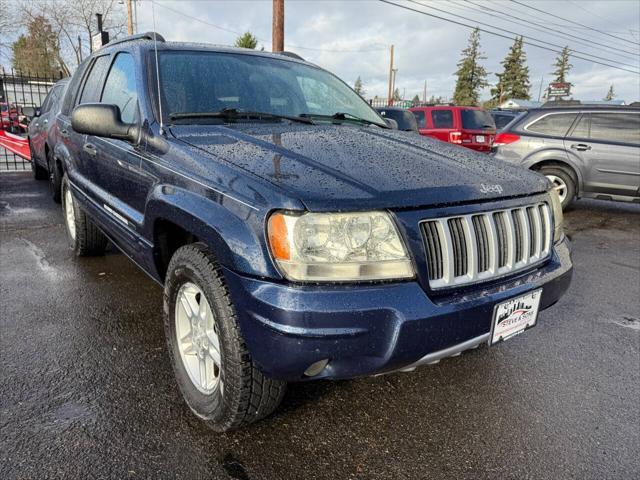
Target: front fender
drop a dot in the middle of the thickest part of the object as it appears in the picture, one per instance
(234, 232)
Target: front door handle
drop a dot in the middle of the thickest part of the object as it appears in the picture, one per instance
(90, 149)
(64, 133)
(45, 121)
(581, 147)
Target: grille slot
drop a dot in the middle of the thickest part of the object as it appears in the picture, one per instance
(471, 248)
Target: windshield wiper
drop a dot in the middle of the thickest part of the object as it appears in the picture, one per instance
(233, 113)
(345, 116)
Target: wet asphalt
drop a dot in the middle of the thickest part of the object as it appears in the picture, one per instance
(87, 391)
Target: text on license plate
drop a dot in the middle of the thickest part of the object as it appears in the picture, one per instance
(515, 315)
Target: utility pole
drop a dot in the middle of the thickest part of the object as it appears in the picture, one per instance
(424, 93)
(80, 47)
(389, 98)
(540, 90)
(129, 18)
(277, 29)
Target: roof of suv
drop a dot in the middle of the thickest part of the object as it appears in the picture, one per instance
(145, 41)
(586, 106)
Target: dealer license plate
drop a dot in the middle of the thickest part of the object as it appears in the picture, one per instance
(514, 316)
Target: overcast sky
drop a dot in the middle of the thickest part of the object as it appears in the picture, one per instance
(352, 38)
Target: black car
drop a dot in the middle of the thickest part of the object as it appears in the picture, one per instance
(404, 118)
(42, 135)
(502, 118)
(296, 236)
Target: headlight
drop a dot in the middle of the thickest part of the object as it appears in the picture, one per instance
(338, 246)
(558, 218)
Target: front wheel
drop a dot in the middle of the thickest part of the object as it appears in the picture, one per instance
(562, 182)
(210, 358)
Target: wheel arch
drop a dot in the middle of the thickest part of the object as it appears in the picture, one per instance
(175, 217)
(563, 164)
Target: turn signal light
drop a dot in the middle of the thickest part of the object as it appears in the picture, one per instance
(455, 137)
(505, 139)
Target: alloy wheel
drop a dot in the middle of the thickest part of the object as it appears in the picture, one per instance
(559, 186)
(197, 339)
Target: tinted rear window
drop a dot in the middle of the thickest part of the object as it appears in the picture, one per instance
(405, 119)
(442, 118)
(502, 119)
(477, 120)
(556, 124)
(93, 85)
(616, 127)
(420, 118)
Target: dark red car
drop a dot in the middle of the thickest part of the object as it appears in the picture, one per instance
(9, 117)
(471, 127)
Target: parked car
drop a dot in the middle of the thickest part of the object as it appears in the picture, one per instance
(296, 236)
(42, 134)
(585, 151)
(403, 117)
(503, 117)
(470, 127)
(9, 117)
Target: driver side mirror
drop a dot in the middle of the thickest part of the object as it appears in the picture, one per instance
(102, 120)
(392, 123)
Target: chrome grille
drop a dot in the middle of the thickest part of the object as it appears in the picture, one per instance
(470, 248)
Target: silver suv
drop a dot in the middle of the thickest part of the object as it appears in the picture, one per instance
(591, 152)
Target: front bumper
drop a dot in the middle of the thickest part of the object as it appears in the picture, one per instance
(375, 328)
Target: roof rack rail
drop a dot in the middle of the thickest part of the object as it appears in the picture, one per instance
(138, 36)
(291, 54)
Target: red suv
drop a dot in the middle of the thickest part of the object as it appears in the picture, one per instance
(8, 117)
(471, 127)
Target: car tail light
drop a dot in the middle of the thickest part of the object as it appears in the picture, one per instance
(505, 139)
(455, 137)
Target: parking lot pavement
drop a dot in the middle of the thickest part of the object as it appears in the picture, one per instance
(87, 391)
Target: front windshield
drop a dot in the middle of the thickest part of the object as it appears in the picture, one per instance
(197, 82)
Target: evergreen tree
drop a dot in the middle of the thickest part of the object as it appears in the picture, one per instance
(472, 77)
(610, 94)
(359, 87)
(247, 40)
(37, 52)
(513, 82)
(396, 94)
(416, 99)
(562, 66)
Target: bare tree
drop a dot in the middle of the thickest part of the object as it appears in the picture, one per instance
(74, 22)
(9, 25)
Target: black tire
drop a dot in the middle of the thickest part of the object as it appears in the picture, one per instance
(39, 173)
(243, 394)
(55, 178)
(565, 177)
(85, 239)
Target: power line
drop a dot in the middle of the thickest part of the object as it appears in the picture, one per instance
(204, 22)
(525, 36)
(528, 23)
(607, 19)
(576, 23)
(473, 27)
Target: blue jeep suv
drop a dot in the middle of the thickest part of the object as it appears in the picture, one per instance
(295, 235)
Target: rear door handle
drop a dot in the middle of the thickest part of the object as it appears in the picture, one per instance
(45, 121)
(581, 147)
(64, 133)
(90, 149)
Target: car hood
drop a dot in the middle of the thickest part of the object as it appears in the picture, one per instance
(345, 167)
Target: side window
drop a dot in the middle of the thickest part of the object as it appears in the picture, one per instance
(49, 100)
(93, 84)
(556, 124)
(120, 87)
(581, 130)
(442, 118)
(420, 118)
(72, 88)
(616, 127)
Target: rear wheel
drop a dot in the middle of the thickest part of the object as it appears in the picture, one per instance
(85, 239)
(210, 358)
(39, 173)
(55, 179)
(563, 183)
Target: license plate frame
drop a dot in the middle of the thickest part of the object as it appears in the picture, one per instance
(480, 138)
(504, 325)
